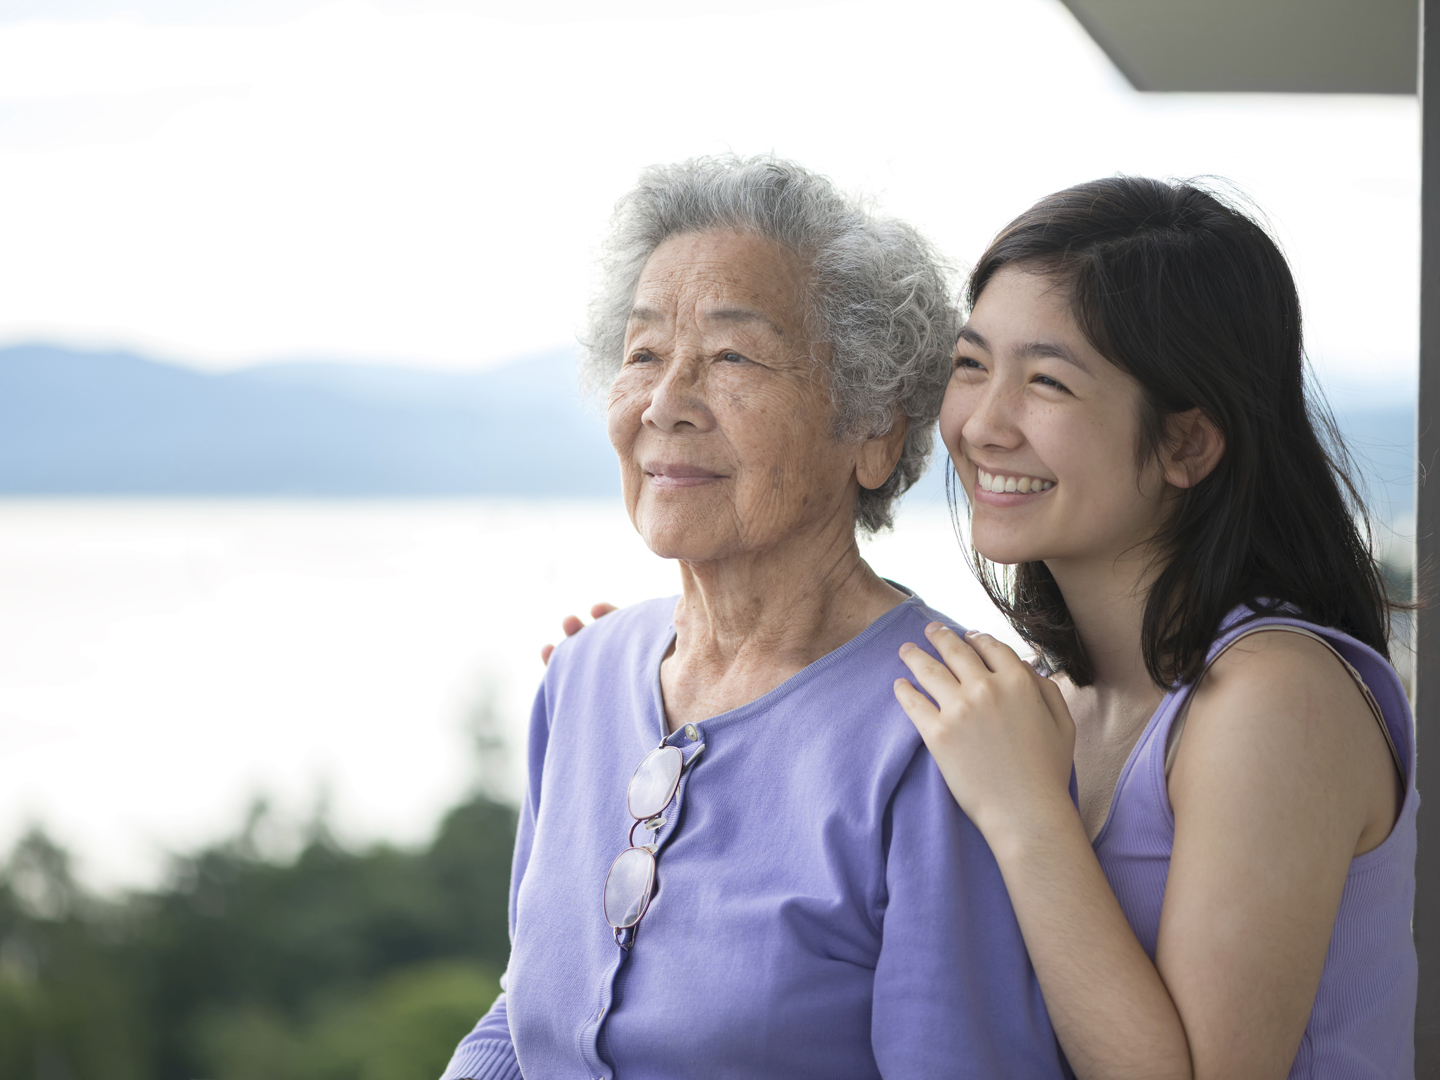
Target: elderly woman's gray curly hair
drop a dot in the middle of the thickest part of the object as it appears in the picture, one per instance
(881, 299)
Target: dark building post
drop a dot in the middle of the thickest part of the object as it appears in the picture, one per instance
(1427, 548)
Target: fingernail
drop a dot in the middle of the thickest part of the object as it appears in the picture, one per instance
(907, 647)
(934, 627)
(973, 634)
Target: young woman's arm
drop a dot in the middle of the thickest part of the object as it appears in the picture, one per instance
(1280, 779)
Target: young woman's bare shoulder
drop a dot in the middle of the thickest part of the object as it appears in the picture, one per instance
(1281, 710)
(1284, 682)
(1267, 655)
(1278, 666)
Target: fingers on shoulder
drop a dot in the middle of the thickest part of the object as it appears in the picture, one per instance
(995, 651)
(908, 694)
(955, 650)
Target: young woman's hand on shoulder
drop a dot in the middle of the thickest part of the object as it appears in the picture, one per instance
(1000, 732)
(1004, 740)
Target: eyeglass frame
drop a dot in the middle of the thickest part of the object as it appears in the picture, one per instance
(650, 850)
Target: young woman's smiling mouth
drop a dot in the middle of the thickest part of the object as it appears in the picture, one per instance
(995, 488)
(1008, 483)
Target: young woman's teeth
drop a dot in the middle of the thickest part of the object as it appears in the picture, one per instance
(1022, 484)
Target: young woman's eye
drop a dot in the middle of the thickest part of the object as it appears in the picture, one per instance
(967, 363)
(1046, 380)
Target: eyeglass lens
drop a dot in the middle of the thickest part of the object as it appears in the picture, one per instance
(627, 888)
(632, 874)
(653, 785)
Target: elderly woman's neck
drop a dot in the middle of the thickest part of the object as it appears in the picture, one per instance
(744, 626)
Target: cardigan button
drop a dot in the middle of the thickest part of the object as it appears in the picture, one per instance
(691, 733)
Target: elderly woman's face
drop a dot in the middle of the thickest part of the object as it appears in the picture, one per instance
(722, 421)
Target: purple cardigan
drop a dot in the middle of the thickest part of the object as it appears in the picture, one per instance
(823, 909)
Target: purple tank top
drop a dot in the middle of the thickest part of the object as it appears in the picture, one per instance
(1363, 1020)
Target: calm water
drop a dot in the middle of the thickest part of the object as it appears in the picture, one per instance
(161, 663)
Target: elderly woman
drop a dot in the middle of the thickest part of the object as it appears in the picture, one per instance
(735, 856)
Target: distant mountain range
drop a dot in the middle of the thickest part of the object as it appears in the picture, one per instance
(87, 423)
(113, 423)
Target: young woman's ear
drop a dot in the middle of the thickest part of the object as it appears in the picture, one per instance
(1196, 447)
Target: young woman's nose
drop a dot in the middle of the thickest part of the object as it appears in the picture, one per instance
(679, 397)
(992, 423)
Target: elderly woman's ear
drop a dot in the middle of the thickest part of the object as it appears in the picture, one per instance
(880, 454)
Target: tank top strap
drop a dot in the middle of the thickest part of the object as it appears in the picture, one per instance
(1240, 628)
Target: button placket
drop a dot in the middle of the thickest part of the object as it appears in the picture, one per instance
(671, 815)
(687, 741)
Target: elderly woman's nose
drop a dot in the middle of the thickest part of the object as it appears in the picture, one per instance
(678, 398)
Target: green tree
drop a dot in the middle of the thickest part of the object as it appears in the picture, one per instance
(361, 965)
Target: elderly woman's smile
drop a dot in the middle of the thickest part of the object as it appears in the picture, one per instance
(669, 475)
(721, 413)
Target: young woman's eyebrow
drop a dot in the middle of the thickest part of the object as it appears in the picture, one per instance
(1043, 349)
(1050, 350)
(966, 334)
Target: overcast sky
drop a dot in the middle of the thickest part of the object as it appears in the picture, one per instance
(425, 183)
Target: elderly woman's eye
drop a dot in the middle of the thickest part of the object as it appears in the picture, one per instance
(732, 358)
(641, 355)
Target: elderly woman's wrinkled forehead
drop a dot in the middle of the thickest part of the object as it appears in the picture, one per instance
(723, 281)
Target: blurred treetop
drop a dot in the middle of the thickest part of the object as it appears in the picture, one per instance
(364, 965)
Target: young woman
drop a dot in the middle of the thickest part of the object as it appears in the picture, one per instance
(1152, 507)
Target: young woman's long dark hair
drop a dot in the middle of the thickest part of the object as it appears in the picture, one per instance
(1194, 300)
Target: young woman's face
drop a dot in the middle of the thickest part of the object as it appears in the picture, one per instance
(1043, 430)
